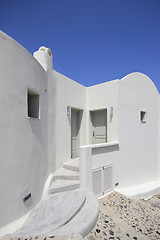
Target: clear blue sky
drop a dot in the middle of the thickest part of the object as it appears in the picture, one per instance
(92, 41)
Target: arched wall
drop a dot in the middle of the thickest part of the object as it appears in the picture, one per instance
(23, 140)
(138, 159)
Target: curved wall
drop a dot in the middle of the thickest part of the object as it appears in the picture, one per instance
(23, 141)
(138, 140)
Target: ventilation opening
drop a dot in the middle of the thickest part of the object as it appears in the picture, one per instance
(28, 201)
(33, 104)
(27, 197)
(143, 116)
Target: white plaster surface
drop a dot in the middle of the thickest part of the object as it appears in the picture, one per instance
(68, 93)
(84, 221)
(23, 145)
(53, 212)
(141, 191)
(139, 158)
(72, 165)
(63, 185)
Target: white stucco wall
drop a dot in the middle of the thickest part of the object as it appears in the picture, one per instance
(23, 144)
(159, 143)
(68, 93)
(138, 141)
(103, 96)
(135, 159)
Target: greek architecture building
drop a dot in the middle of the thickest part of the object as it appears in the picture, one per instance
(57, 136)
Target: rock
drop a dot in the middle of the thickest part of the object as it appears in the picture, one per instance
(106, 221)
(111, 232)
(127, 234)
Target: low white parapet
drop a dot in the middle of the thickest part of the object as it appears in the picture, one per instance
(86, 157)
(108, 144)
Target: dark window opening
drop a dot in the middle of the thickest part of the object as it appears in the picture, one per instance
(33, 104)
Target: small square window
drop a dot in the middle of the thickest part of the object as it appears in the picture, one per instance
(33, 104)
(143, 116)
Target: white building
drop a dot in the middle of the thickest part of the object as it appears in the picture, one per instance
(46, 119)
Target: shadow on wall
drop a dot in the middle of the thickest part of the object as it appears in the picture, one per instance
(105, 149)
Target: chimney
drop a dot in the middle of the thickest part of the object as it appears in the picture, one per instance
(44, 57)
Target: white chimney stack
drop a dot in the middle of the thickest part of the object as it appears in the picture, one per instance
(44, 57)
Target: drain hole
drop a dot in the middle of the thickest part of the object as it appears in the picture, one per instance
(27, 197)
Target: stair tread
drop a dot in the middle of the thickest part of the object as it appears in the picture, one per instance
(63, 183)
(53, 212)
(84, 221)
(67, 172)
(73, 163)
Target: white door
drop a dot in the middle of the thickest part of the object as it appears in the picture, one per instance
(75, 123)
(99, 126)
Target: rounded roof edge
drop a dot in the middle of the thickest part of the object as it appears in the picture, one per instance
(5, 36)
(142, 75)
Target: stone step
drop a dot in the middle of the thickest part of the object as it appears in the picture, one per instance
(63, 185)
(84, 221)
(72, 165)
(52, 213)
(65, 174)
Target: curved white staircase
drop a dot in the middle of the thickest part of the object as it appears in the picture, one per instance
(66, 210)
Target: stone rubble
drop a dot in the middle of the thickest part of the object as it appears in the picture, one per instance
(120, 219)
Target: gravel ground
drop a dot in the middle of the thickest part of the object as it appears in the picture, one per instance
(121, 219)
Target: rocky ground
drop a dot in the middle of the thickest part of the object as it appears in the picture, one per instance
(120, 219)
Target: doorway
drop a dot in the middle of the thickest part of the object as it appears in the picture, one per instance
(75, 136)
(98, 126)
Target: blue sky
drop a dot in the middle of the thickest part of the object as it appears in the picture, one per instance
(92, 41)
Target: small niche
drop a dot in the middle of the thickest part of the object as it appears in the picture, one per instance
(33, 104)
(27, 197)
(28, 200)
(143, 116)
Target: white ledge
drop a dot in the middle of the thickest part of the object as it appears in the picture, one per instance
(108, 144)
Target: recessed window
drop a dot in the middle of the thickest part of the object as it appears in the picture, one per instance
(143, 116)
(33, 104)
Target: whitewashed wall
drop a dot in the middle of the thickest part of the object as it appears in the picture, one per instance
(102, 96)
(135, 159)
(68, 93)
(138, 141)
(23, 146)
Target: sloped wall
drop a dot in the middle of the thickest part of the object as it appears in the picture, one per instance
(23, 140)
